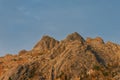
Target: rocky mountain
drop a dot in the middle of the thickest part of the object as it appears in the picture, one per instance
(72, 58)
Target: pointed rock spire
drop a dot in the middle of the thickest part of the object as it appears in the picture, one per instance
(75, 36)
(46, 43)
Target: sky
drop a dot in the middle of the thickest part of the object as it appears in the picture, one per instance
(24, 22)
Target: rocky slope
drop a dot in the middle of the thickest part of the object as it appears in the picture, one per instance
(73, 58)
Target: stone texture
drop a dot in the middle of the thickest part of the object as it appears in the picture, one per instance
(72, 58)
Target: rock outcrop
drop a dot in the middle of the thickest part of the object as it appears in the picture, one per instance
(72, 58)
(46, 43)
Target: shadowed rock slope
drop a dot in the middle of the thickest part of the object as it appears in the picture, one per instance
(73, 58)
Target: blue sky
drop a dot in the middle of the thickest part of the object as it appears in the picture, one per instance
(24, 22)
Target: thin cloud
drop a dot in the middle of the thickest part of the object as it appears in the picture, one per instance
(25, 11)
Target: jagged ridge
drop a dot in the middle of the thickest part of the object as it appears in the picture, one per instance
(73, 58)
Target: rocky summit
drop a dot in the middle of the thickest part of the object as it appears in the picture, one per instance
(73, 58)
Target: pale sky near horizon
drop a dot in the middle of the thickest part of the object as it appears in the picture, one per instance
(24, 22)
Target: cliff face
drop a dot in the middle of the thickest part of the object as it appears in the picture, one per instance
(73, 58)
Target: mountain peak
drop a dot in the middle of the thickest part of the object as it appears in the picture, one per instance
(46, 37)
(65, 60)
(97, 40)
(46, 43)
(75, 36)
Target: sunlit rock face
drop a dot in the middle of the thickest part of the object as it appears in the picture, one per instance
(72, 58)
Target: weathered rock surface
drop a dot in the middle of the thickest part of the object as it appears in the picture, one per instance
(73, 58)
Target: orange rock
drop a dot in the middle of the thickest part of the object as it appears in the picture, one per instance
(70, 59)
